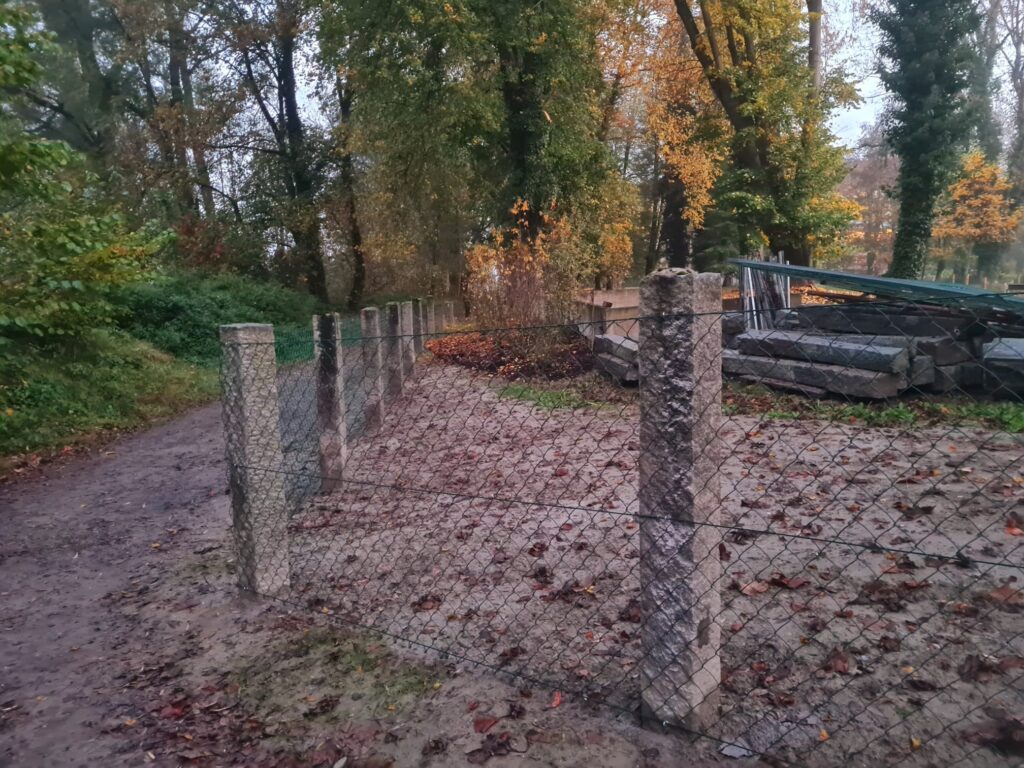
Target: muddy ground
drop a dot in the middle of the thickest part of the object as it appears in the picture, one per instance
(503, 533)
(123, 643)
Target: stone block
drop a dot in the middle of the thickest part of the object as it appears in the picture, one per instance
(833, 350)
(617, 368)
(622, 347)
(852, 382)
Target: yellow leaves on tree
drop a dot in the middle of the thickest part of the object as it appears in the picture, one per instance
(979, 209)
(515, 280)
(684, 119)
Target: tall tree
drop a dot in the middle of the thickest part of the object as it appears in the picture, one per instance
(928, 61)
(979, 213)
(1011, 28)
(266, 38)
(763, 63)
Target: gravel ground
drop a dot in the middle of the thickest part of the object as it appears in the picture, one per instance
(503, 534)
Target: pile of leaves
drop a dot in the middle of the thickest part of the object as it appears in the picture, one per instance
(517, 354)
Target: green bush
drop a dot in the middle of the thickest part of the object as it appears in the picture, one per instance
(180, 313)
(53, 393)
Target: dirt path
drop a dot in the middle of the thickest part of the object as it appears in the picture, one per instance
(72, 538)
(122, 642)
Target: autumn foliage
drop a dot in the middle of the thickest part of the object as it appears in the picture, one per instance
(546, 353)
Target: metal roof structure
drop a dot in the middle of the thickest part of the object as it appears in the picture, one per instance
(915, 291)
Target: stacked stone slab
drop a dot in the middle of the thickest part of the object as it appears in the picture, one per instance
(861, 351)
(617, 356)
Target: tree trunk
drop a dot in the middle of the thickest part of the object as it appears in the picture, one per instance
(913, 232)
(305, 227)
(179, 129)
(347, 182)
(814, 14)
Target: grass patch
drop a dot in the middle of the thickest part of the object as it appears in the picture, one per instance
(922, 411)
(547, 399)
(355, 674)
(57, 395)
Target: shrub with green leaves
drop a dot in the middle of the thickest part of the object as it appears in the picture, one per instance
(62, 246)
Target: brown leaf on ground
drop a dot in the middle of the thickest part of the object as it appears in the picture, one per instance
(427, 603)
(484, 724)
(888, 643)
(1007, 596)
(837, 662)
(788, 582)
(494, 745)
(1003, 734)
(434, 747)
(753, 588)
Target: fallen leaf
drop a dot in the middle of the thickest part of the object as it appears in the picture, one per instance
(556, 700)
(754, 588)
(427, 603)
(484, 724)
(823, 735)
(795, 582)
(837, 662)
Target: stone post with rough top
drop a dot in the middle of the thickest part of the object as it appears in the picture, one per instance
(679, 495)
(430, 321)
(449, 313)
(255, 460)
(419, 318)
(373, 366)
(408, 348)
(394, 380)
(330, 399)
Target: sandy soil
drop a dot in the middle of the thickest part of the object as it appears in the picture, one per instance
(123, 642)
(871, 612)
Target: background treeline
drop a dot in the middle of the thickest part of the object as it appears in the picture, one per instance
(169, 164)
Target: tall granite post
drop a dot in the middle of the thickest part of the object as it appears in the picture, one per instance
(394, 380)
(680, 498)
(408, 343)
(419, 310)
(449, 313)
(259, 513)
(373, 367)
(330, 399)
(431, 322)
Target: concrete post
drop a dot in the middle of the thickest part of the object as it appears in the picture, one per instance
(680, 497)
(431, 321)
(418, 324)
(255, 459)
(330, 399)
(449, 313)
(394, 380)
(408, 343)
(373, 366)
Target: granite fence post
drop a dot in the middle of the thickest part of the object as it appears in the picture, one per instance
(330, 399)
(373, 366)
(259, 511)
(431, 317)
(680, 497)
(394, 380)
(408, 348)
(419, 310)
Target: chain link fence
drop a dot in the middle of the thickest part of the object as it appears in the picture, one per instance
(800, 544)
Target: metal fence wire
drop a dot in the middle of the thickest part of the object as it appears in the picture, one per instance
(802, 544)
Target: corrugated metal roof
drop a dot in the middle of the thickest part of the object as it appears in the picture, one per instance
(917, 291)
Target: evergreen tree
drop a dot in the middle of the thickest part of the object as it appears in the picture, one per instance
(928, 65)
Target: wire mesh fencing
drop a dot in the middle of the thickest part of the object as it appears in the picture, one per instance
(800, 543)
